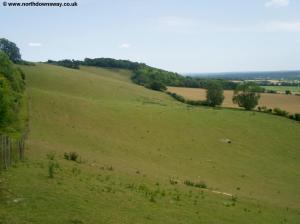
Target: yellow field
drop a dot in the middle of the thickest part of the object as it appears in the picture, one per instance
(290, 103)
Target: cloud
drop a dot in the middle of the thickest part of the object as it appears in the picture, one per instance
(277, 3)
(35, 44)
(125, 45)
(283, 26)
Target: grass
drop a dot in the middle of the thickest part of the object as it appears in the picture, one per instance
(133, 142)
(293, 89)
(290, 103)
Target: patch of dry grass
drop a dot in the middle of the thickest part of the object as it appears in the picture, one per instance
(290, 103)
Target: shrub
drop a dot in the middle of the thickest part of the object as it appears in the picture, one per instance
(156, 85)
(12, 85)
(265, 109)
(295, 117)
(173, 181)
(279, 112)
(189, 183)
(52, 165)
(71, 156)
(234, 198)
(200, 184)
(197, 103)
(288, 92)
(271, 91)
(177, 97)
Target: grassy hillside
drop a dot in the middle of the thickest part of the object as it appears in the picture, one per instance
(135, 144)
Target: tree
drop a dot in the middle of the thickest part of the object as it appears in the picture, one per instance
(10, 49)
(6, 102)
(12, 84)
(288, 92)
(246, 95)
(214, 94)
(14, 75)
(155, 85)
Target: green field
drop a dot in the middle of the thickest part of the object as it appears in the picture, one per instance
(293, 89)
(132, 141)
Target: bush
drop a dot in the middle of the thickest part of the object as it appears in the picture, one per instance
(279, 112)
(173, 181)
(52, 165)
(288, 92)
(177, 97)
(271, 91)
(295, 117)
(71, 156)
(155, 85)
(265, 109)
(200, 184)
(197, 103)
(12, 85)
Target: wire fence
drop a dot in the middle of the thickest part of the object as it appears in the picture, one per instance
(11, 150)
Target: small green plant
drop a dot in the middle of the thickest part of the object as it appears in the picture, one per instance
(177, 97)
(156, 85)
(234, 198)
(176, 197)
(73, 156)
(200, 184)
(173, 181)
(288, 92)
(76, 171)
(295, 117)
(189, 183)
(53, 165)
(279, 112)
(152, 199)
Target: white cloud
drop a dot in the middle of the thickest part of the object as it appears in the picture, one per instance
(283, 26)
(35, 44)
(277, 3)
(125, 45)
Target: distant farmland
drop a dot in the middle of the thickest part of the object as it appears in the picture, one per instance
(290, 103)
(293, 89)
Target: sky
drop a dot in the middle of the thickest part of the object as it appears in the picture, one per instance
(185, 36)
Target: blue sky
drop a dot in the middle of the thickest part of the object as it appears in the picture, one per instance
(178, 35)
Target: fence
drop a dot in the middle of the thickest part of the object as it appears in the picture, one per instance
(11, 150)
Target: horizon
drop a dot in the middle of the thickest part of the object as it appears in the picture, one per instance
(198, 37)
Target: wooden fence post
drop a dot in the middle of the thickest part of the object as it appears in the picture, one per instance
(11, 150)
(2, 152)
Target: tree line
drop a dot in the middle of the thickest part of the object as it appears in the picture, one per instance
(12, 85)
(245, 94)
(144, 74)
